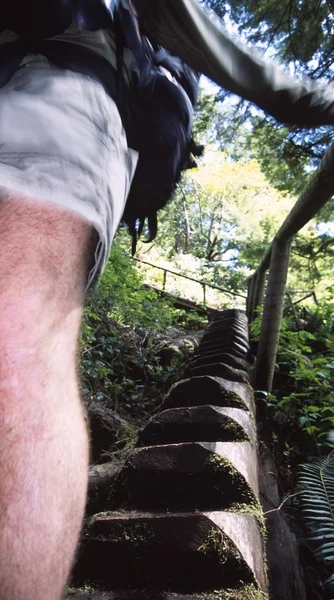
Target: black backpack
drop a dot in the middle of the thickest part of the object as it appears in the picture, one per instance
(157, 110)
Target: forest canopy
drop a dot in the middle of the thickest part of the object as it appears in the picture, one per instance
(226, 212)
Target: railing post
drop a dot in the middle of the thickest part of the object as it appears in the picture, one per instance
(164, 281)
(255, 295)
(272, 316)
(258, 294)
(250, 292)
(204, 293)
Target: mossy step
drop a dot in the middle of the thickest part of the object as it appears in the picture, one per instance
(208, 358)
(222, 332)
(219, 369)
(230, 311)
(90, 594)
(188, 476)
(100, 479)
(230, 321)
(237, 346)
(207, 389)
(198, 424)
(249, 592)
(239, 318)
(185, 553)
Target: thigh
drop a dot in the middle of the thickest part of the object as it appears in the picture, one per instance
(62, 141)
(46, 251)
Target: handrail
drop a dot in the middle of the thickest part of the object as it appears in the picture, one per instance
(316, 194)
(204, 284)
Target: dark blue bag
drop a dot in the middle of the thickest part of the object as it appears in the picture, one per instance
(157, 110)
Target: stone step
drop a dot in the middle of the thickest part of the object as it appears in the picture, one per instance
(209, 358)
(232, 320)
(241, 593)
(228, 312)
(235, 346)
(182, 553)
(225, 333)
(100, 479)
(219, 369)
(78, 594)
(206, 389)
(188, 476)
(198, 424)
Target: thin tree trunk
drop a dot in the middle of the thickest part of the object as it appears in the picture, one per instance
(186, 223)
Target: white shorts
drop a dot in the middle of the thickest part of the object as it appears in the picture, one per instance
(62, 140)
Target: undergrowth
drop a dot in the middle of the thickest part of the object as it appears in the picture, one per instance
(124, 328)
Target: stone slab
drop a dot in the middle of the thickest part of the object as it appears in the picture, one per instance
(219, 369)
(100, 480)
(77, 594)
(221, 332)
(207, 358)
(180, 552)
(188, 476)
(235, 345)
(207, 389)
(199, 423)
(232, 321)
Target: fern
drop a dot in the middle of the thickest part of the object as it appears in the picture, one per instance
(316, 504)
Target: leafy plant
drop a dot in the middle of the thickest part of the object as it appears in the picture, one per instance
(124, 324)
(301, 407)
(315, 505)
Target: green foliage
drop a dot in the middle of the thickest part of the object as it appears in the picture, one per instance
(299, 32)
(315, 505)
(123, 297)
(284, 164)
(222, 219)
(205, 117)
(121, 339)
(301, 409)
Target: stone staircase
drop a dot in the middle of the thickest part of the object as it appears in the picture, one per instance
(184, 520)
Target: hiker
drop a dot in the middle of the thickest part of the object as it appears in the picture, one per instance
(65, 173)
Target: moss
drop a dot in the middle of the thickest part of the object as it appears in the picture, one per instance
(218, 544)
(218, 464)
(220, 547)
(235, 430)
(233, 399)
(85, 589)
(137, 535)
(248, 592)
(254, 509)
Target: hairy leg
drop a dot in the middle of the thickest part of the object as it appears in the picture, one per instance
(43, 440)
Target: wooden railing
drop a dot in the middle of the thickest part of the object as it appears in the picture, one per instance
(316, 194)
(204, 284)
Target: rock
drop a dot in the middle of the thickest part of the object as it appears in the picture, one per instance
(198, 424)
(100, 480)
(184, 553)
(188, 476)
(106, 427)
(207, 389)
(171, 348)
